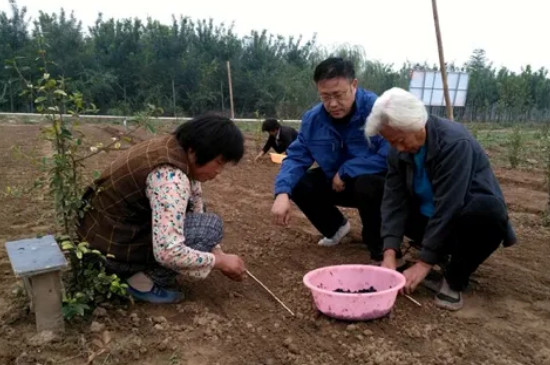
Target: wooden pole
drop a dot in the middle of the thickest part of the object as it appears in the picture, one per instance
(230, 91)
(442, 62)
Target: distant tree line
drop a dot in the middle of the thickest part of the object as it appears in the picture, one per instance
(123, 65)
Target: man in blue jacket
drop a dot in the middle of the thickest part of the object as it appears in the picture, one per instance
(351, 169)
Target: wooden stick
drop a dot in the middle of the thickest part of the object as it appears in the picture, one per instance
(270, 292)
(232, 106)
(413, 300)
(442, 65)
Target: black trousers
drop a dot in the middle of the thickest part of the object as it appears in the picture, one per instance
(317, 200)
(476, 233)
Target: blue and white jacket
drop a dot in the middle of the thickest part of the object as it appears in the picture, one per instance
(336, 150)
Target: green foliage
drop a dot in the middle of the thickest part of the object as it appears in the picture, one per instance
(544, 132)
(474, 129)
(123, 64)
(65, 168)
(515, 146)
(258, 134)
(89, 285)
(505, 96)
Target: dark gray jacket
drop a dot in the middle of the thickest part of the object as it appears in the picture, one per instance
(458, 170)
(287, 135)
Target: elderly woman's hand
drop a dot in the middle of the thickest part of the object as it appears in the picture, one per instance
(414, 275)
(390, 260)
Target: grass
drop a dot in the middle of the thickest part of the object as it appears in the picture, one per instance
(498, 141)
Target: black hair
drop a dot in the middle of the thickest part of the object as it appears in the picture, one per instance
(270, 125)
(334, 67)
(211, 135)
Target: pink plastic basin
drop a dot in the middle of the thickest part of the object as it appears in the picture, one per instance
(361, 306)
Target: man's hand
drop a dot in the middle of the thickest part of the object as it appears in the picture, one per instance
(281, 210)
(258, 156)
(390, 260)
(337, 184)
(414, 275)
(231, 266)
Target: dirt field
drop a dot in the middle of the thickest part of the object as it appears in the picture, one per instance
(506, 319)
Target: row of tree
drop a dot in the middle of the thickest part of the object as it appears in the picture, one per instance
(123, 65)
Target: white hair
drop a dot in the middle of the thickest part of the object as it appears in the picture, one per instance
(398, 109)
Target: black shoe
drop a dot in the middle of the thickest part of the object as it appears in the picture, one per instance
(433, 281)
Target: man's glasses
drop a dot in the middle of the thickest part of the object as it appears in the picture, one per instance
(338, 97)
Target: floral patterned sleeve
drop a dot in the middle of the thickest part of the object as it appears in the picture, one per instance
(169, 191)
(196, 193)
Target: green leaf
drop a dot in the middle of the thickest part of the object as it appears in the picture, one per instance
(67, 245)
(150, 128)
(83, 245)
(66, 133)
(40, 99)
(46, 76)
(60, 92)
(80, 309)
(51, 83)
(67, 311)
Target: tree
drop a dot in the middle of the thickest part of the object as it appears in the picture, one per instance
(123, 65)
(482, 86)
(14, 41)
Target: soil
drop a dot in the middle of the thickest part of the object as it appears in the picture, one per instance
(506, 318)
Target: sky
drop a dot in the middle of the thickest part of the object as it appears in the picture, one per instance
(513, 34)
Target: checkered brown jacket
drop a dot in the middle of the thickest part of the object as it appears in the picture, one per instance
(118, 221)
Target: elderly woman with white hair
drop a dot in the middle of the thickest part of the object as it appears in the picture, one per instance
(441, 192)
